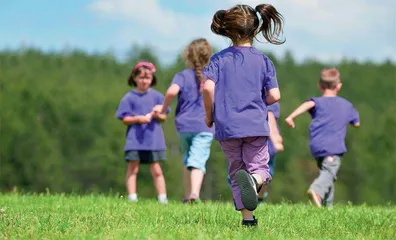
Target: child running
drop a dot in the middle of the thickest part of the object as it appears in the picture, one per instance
(195, 137)
(274, 145)
(145, 141)
(330, 116)
(241, 83)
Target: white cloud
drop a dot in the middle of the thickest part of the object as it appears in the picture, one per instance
(105, 7)
(325, 29)
(332, 20)
(329, 29)
(147, 22)
(147, 12)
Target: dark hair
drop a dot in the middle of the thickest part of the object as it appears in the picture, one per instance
(241, 23)
(197, 55)
(329, 78)
(138, 71)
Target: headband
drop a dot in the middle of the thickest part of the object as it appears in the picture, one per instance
(148, 65)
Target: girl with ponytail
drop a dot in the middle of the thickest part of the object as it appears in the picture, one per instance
(240, 85)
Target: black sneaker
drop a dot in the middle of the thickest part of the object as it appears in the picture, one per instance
(248, 187)
(250, 223)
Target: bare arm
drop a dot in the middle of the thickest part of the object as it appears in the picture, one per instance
(300, 110)
(171, 93)
(208, 97)
(356, 125)
(275, 137)
(272, 124)
(160, 116)
(273, 96)
(135, 120)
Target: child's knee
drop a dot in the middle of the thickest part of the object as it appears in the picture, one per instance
(192, 166)
(133, 167)
(156, 170)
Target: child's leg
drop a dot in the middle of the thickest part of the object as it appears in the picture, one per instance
(197, 176)
(185, 142)
(187, 183)
(198, 156)
(159, 181)
(247, 215)
(329, 197)
(233, 152)
(327, 175)
(131, 175)
(256, 158)
(264, 189)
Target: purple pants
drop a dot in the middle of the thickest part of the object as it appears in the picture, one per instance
(250, 154)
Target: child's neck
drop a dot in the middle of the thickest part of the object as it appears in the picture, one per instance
(141, 91)
(329, 93)
(242, 44)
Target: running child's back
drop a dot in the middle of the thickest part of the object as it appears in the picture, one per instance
(240, 103)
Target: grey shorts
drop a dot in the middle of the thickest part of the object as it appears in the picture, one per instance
(145, 157)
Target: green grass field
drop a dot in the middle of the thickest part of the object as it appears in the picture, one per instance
(102, 217)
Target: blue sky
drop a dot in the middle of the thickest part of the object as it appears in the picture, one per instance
(323, 29)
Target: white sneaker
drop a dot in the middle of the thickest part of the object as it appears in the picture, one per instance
(132, 197)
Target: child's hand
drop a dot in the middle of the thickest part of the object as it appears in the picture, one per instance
(279, 147)
(290, 122)
(278, 138)
(145, 119)
(157, 108)
(209, 122)
(159, 116)
(277, 141)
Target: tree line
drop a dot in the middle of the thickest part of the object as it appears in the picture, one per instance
(58, 129)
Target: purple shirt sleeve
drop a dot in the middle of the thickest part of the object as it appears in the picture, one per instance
(270, 108)
(124, 108)
(178, 79)
(270, 80)
(354, 118)
(275, 109)
(312, 110)
(212, 70)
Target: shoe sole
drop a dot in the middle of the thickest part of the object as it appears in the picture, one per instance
(248, 192)
(314, 199)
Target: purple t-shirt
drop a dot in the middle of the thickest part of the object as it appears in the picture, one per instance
(275, 109)
(190, 111)
(241, 76)
(142, 136)
(330, 117)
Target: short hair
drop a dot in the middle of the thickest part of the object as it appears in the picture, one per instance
(329, 78)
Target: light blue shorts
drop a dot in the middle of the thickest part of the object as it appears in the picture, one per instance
(196, 149)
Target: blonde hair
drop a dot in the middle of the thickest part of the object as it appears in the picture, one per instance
(329, 78)
(197, 56)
